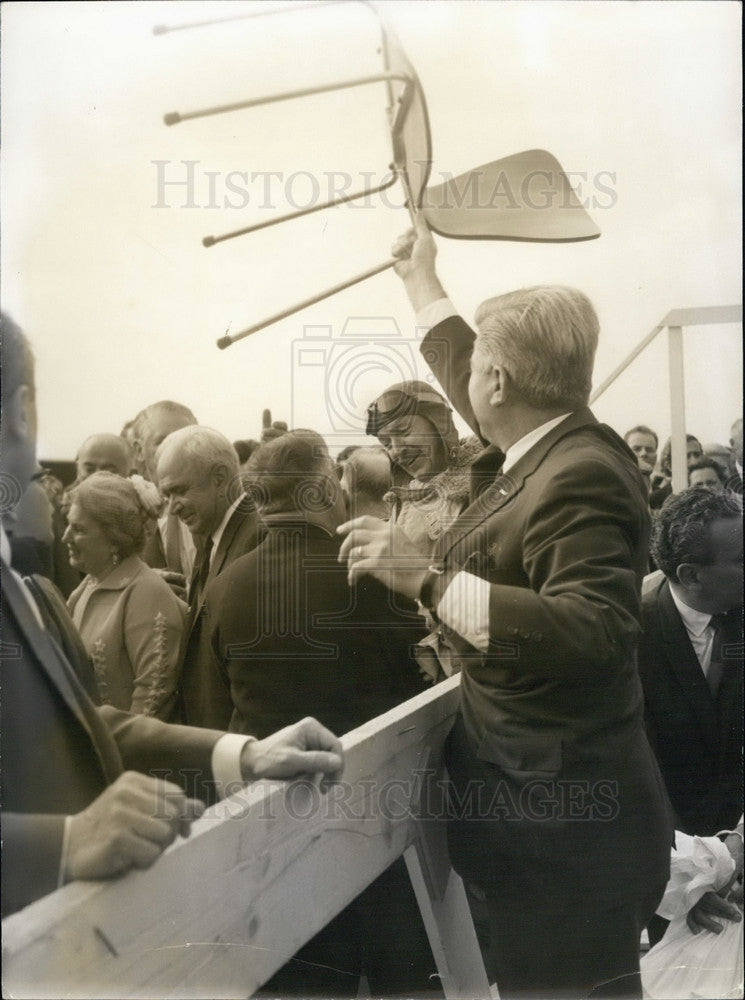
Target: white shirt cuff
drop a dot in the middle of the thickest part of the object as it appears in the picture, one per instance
(435, 313)
(226, 763)
(464, 607)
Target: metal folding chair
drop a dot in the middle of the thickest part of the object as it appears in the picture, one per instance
(525, 197)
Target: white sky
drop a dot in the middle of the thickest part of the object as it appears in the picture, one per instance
(123, 304)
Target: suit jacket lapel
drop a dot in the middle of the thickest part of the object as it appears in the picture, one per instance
(684, 663)
(491, 489)
(53, 663)
(40, 642)
(231, 529)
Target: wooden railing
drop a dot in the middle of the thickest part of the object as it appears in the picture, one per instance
(260, 874)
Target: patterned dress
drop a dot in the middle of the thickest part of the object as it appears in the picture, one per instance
(131, 623)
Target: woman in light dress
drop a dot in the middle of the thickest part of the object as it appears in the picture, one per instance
(129, 619)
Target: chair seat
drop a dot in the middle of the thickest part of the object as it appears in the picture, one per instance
(526, 196)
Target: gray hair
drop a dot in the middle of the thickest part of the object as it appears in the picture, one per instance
(165, 407)
(545, 337)
(209, 448)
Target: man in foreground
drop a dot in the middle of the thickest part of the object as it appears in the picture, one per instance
(70, 810)
(558, 812)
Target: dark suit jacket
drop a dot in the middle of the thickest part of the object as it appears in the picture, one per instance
(558, 798)
(59, 752)
(293, 639)
(203, 698)
(697, 739)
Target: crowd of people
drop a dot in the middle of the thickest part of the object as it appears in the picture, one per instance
(191, 597)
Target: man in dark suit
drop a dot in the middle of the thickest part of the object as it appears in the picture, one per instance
(558, 808)
(70, 810)
(198, 473)
(691, 659)
(291, 638)
(290, 635)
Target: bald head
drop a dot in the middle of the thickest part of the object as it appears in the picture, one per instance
(103, 453)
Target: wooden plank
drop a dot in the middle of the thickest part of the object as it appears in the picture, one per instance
(260, 874)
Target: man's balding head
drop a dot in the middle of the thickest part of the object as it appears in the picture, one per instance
(103, 453)
(198, 473)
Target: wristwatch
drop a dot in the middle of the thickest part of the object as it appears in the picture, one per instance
(431, 591)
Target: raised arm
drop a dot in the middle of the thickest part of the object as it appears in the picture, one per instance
(448, 345)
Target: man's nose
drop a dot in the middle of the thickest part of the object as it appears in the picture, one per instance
(174, 505)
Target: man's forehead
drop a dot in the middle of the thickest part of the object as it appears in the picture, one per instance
(175, 467)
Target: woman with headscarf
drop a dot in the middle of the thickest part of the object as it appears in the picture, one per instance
(431, 465)
(128, 617)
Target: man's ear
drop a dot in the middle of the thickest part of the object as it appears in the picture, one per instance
(221, 476)
(687, 575)
(18, 415)
(498, 386)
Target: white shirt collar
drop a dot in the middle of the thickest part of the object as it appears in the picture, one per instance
(696, 622)
(516, 451)
(220, 529)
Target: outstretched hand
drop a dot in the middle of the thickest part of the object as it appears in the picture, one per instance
(305, 748)
(385, 552)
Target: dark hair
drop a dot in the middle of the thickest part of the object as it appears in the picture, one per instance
(681, 531)
(642, 429)
(245, 448)
(707, 463)
(365, 480)
(292, 473)
(666, 456)
(17, 358)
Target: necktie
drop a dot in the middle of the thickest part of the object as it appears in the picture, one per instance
(716, 665)
(202, 571)
(172, 544)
